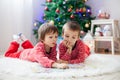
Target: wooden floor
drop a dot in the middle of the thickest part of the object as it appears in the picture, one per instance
(116, 53)
(106, 51)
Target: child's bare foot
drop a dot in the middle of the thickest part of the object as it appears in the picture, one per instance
(22, 37)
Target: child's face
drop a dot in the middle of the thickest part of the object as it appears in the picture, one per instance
(70, 36)
(50, 39)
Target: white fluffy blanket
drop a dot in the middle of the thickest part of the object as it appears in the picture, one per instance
(95, 65)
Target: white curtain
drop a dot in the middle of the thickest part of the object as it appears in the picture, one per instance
(15, 17)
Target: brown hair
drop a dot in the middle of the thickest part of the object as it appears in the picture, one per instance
(45, 29)
(72, 25)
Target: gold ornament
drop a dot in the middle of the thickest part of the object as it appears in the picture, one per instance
(87, 25)
(44, 18)
(35, 24)
(51, 22)
(85, 0)
(84, 15)
(71, 7)
(84, 9)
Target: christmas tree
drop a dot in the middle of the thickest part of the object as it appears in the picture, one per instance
(58, 12)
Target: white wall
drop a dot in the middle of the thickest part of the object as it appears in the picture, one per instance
(15, 17)
(18, 16)
(38, 12)
(110, 6)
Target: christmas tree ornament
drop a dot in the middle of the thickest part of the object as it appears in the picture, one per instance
(35, 24)
(103, 15)
(85, 0)
(107, 15)
(46, 8)
(77, 10)
(44, 18)
(64, 7)
(87, 25)
(84, 15)
(81, 10)
(72, 16)
(49, 0)
(84, 9)
(57, 10)
(88, 10)
(82, 32)
(71, 6)
(51, 22)
(64, 2)
(58, 19)
(70, 9)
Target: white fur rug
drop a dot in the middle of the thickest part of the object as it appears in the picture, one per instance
(96, 65)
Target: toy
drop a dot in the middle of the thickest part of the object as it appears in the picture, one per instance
(107, 30)
(98, 31)
(103, 15)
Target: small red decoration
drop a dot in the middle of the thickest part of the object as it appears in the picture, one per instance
(49, 0)
(77, 10)
(57, 10)
(103, 15)
(46, 8)
(80, 10)
(82, 32)
(70, 9)
(72, 16)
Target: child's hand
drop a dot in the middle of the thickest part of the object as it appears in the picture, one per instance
(62, 61)
(60, 65)
(68, 45)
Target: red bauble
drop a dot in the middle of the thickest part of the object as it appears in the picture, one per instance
(82, 32)
(72, 16)
(101, 15)
(46, 8)
(101, 34)
(77, 10)
(107, 16)
(49, 0)
(57, 10)
(70, 9)
(80, 10)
